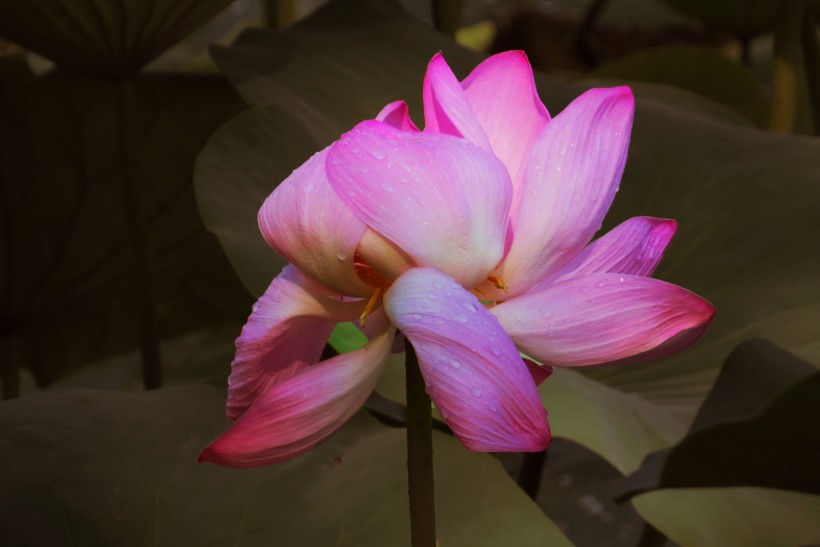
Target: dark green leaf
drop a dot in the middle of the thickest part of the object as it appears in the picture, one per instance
(101, 36)
(757, 427)
(698, 69)
(111, 468)
(743, 18)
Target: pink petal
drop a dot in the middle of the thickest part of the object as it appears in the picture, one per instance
(446, 107)
(296, 415)
(574, 170)
(397, 115)
(305, 222)
(634, 247)
(440, 199)
(285, 333)
(604, 318)
(473, 372)
(502, 94)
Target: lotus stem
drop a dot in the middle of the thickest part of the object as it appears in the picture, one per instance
(10, 367)
(447, 15)
(143, 283)
(786, 66)
(811, 58)
(419, 456)
(280, 13)
(532, 468)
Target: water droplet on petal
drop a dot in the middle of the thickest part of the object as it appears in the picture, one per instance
(477, 391)
(377, 154)
(341, 255)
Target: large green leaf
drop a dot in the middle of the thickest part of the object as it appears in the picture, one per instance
(733, 517)
(93, 468)
(757, 427)
(745, 200)
(101, 36)
(67, 285)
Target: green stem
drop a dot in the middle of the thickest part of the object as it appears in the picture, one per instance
(280, 13)
(532, 468)
(811, 58)
(143, 283)
(786, 66)
(9, 368)
(447, 15)
(419, 456)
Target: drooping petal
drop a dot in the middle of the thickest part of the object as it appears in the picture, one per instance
(442, 200)
(296, 415)
(604, 318)
(285, 333)
(473, 372)
(502, 94)
(634, 247)
(573, 172)
(396, 114)
(305, 222)
(446, 107)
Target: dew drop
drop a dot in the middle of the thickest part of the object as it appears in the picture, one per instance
(477, 391)
(455, 363)
(377, 154)
(341, 255)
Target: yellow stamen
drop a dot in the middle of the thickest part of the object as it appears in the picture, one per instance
(371, 304)
(499, 283)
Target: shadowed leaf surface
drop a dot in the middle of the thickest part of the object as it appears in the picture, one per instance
(757, 427)
(83, 467)
(67, 266)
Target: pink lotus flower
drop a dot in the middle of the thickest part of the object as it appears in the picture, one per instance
(473, 239)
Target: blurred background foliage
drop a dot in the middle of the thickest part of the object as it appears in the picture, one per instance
(133, 160)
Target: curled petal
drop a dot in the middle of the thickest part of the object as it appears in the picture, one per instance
(304, 221)
(446, 107)
(443, 201)
(605, 318)
(285, 333)
(397, 115)
(502, 94)
(573, 172)
(473, 372)
(296, 415)
(634, 247)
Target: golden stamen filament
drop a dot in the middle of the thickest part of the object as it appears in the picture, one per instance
(371, 304)
(499, 283)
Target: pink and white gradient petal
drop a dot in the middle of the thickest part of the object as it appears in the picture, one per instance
(304, 221)
(285, 333)
(502, 94)
(572, 175)
(296, 415)
(473, 372)
(604, 318)
(446, 107)
(634, 247)
(442, 200)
